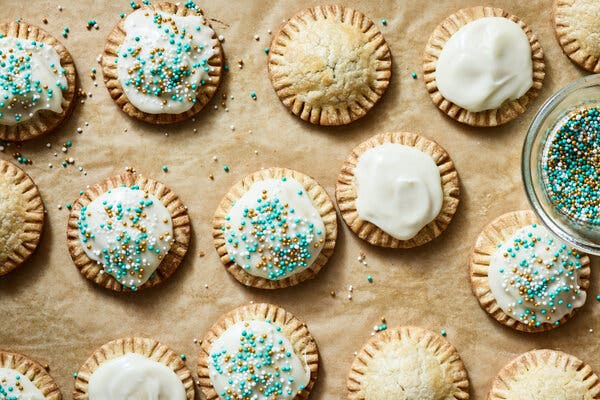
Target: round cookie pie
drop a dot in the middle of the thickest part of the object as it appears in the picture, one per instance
(525, 277)
(128, 232)
(546, 374)
(409, 363)
(329, 64)
(134, 368)
(23, 378)
(37, 82)
(577, 29)
(398, 190)
(483, 66)
(22, 220)
(275, 228)
(163, 63)
(258, 351)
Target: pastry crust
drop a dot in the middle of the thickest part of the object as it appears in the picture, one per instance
(35, 372)
(412, 345)
(498, 231)
(305, 80)
(510, 109)
(346, 191)
(43, 121)
(181, 231)
(14, 181)
(546, 374)
(149, 348)
(320, 200)
(111, 80)
(577, 29)
(294, 329)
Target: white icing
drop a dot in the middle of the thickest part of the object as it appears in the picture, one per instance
(151, 227)
(399, 189)
(15, 385)
(252, 341)
(542, 263)
(136, 56)
(31, 79)
(135, 377)
(484, 64)
(257, 247)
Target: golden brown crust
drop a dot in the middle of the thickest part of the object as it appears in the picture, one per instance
(294, 329)
(526, 371)
(149, 348)
(498, 231)
(309, 85)
(181, 231)
(34, 371)
(576, 25)
(32, 216)
(510, 109)
(383, 342)
(346, 194)
(111, 80)
(43, 121)
(320, 200)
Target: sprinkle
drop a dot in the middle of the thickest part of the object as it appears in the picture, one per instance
(384, 22)
(182, 356)
(266, 50)
(165, 168)
(370, 278)
(221, 38)
(68, 205)
(75, 374)
(225, 168)
(253, 95)
(443, 332)
(414, 75)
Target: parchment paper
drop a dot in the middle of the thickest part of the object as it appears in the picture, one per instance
(53, 314)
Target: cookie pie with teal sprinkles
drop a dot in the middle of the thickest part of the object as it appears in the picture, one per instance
(536, 278)
(128, 232)
(274, 230)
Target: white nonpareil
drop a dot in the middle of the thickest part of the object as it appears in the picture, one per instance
(534, 277)
(399, 189)
(254, 359)
(16, 385)
(163, 60)
(484, 64)
(135, 377)
(31, 79)
(128, 231)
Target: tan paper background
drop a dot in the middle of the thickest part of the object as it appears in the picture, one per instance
(50, 312)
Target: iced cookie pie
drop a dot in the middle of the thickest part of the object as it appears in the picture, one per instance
(408, 363)
(483, 66)
(329, 64)
(37, 82)
(525, 277)
(577, 29)
(398, 190)
(163, 63)
(275, 228)
(24, 379)
(128, 232)
(259, 352)
(544, 375)
(134, 368)
(22, 219)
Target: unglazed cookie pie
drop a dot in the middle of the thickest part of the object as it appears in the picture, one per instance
(398, 190)
(22, 219)
(259, 352)
(483, 66)
(329, 64)
(128, 232)
(163, 63)
(408, 363)
(37, 82)
(275, 228)
(134, 368)
(24, 379)
(525, 277)
(577, 29)
(544, 375)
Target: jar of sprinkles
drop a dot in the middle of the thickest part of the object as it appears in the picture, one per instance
(561, 164)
